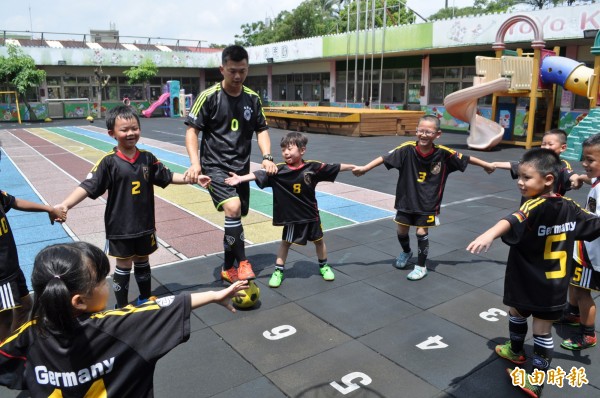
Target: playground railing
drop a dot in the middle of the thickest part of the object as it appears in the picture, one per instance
(519, 69)
(489, 68)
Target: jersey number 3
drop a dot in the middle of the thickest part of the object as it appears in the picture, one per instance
(559, 255)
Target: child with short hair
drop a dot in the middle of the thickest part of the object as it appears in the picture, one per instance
(541, 236)
(74, 347)
(423, 170)
(555, 140)
(15, 301)
(129, 175)
(294, 201)
(581, 307)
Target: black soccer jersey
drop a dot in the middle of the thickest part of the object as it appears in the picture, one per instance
(112, 354)
(9, 260)
(294, 195)
(130, 183)
(541, 240)
(227, 124)
(561, 185)
(422, 178)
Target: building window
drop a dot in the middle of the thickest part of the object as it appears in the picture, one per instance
(447, 80)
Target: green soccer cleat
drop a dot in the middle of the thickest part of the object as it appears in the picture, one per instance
(505, 351)
(578, 343)
(276, 278)
(327, 272)
(531, 390)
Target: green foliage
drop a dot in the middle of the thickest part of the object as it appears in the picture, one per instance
(322, 17)
(18, 71)
(142, 73)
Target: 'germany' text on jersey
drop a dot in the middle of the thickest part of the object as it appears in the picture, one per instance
(227, 124)
(294, 196)
(541, 240)
(130, 183)
(422, 178)
(111, 354)
(9, 259)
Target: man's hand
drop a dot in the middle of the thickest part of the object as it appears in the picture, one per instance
(269, 166)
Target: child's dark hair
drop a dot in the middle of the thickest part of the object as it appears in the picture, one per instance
(431, 118)
(294, 138)
(234, 53)
(560, 133)
(544, 160)
(592, 140)
(122, 111)
(59, 272)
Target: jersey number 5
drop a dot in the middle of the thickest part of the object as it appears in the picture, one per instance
(559, 255)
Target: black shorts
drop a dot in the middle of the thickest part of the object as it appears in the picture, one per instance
(221, 192)
(299, 234)
(584, 276)
(544, 315)
(12, 291)
(126, 248)
(417, 220)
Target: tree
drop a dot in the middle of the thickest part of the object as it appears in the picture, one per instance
(19, 73)
(479, 7)
(142, 73)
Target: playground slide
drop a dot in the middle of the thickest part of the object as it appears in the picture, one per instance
(161, 100)
(462, 104)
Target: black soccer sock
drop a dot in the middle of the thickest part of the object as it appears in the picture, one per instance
(543, 350)
(404, 242)
(322, 262)
(234, 237)
(121, 286)
(229, 257)
(589, 330)
(142, 273)
(423, 243)
(517, 327)
(572, 309)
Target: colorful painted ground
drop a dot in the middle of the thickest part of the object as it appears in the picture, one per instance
(46, 164)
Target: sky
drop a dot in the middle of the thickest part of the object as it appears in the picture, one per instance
(211, 21)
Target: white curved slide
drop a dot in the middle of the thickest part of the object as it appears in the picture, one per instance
(462, 104)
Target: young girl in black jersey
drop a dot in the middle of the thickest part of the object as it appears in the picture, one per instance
(69, 348)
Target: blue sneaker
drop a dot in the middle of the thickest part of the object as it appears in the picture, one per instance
(402, 260)
(140, 300)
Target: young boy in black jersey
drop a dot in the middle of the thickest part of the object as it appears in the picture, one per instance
(555, 140)
(423, 170)
(581, 307)
(294, 201)
(129, 175)
(15, 301)
(228, 114)
(541, 237)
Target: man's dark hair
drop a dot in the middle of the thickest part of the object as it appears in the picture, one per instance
(234, 53)
(543, 160)
(122, 111)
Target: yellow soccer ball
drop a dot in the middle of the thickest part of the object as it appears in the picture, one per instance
(248, 298)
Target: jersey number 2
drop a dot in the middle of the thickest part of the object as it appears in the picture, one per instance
(135, 187)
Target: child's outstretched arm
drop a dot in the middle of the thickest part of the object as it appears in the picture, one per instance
(487, 166)
(360, 170)
(484, 241)
(502, 165)
(577, 180)
(221, 297)
(202, 180)
(347, 167)
(55, 214)
(74, 198)
(237, 180)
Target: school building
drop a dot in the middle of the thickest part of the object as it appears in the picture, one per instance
(403, 67)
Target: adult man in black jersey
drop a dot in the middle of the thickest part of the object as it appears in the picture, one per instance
(228, 114)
